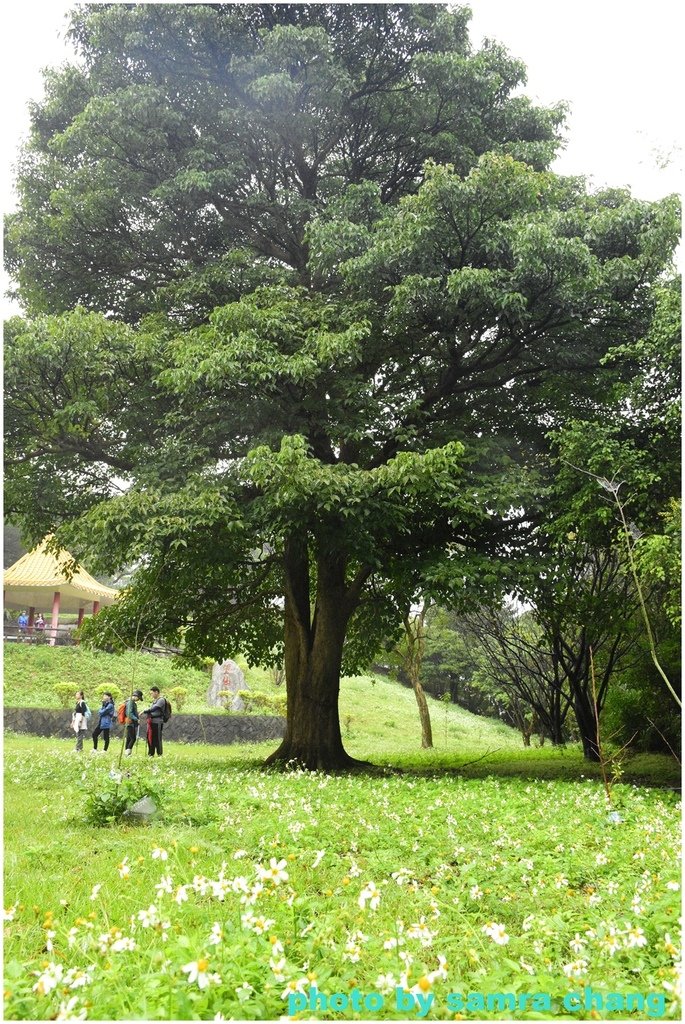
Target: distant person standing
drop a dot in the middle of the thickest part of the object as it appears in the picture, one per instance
(155, 722)
(132, 721)
(23, 623)
(105, 719)
(79, 721)
(39, 624)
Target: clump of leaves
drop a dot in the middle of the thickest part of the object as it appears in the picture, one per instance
(178, 695)
(108, 800)
(112, 688)
(65, 694)
(269, 703)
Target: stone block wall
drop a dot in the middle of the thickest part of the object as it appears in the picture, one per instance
(181, 728)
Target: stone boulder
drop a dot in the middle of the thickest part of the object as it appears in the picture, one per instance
(226, 676)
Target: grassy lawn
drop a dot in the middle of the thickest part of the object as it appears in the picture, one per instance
(449, 884)
(478, 867)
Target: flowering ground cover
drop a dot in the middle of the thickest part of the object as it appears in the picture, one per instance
(258, 895)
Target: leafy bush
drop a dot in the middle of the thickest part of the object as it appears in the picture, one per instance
(178, 696)
(65, 694)
(269, 703)
(112, 688)
(110, 798)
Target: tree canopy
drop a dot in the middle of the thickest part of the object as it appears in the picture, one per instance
(303, 304)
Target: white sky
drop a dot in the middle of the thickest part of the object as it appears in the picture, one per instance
(616, 62)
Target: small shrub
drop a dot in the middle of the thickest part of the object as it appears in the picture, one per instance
(112, 688)
(267, 703)
(178, 696)
(109, 799)
(65, 694)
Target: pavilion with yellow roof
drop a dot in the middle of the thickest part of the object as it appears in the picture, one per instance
(40, 580)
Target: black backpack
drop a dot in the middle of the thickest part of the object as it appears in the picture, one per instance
(166, 715)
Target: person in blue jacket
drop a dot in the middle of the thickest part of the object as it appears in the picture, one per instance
(105, 719)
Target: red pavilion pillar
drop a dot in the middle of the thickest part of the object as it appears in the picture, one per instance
(54, 621)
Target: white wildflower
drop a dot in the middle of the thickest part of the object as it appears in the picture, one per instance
(67, 1010)
(275, 872)
(576, 969)
(635, 937)
(244, 991)
(165, 885)
(198, 974)
(294, 985)
(386, 984)
(370, 895)
(420, 930)
(150, 917)
(496, 932)
(48, 979)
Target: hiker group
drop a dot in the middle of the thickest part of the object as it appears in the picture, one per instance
(126, 714)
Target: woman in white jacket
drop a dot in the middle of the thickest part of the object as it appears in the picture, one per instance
(79, 721)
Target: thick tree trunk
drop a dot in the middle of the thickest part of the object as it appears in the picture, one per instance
(587, 727)
(424, 714)
(313, 658)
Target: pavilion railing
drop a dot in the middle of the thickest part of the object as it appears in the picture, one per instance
(63, 635)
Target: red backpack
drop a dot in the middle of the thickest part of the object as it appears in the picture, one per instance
(121, 714)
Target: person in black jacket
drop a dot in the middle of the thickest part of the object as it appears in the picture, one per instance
(79, 721)
(155, 722)
(132, 721)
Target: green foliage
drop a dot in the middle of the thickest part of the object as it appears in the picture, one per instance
(108, 799)
(104, 688)
(637, 708)
(264, 703)
(65, 694)
(178, 695)
(308, 99)
(659, 562)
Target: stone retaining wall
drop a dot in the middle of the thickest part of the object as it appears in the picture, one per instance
(181, 728)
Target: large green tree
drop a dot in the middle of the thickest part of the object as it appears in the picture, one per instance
(177, 167)
(327, 302)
